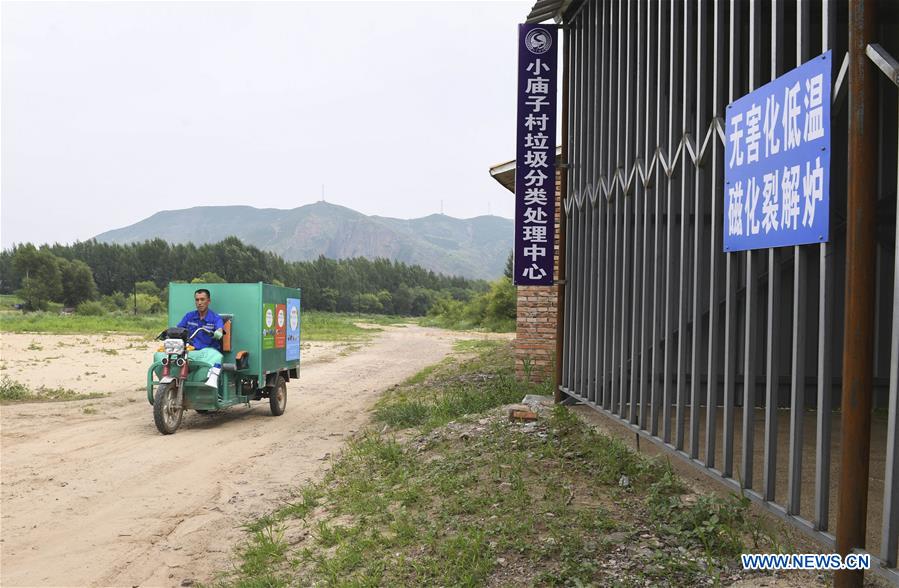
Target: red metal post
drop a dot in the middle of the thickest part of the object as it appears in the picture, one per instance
(858, 347)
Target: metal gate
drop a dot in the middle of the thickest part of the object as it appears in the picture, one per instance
(731, 361)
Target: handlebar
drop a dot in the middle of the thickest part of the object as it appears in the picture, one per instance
(207, 329)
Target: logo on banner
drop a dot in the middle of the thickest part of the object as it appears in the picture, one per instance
(538, 41)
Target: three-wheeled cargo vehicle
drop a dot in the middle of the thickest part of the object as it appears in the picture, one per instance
(260, 352)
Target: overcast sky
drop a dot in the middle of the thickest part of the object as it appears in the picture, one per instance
(112, 111)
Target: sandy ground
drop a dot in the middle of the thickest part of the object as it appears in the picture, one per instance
(93, 495)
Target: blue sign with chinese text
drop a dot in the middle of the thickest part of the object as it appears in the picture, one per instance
(535, 163)
(777, 161)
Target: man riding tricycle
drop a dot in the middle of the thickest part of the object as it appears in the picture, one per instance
(210, 361)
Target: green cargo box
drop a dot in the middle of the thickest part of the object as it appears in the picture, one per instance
(264, 322)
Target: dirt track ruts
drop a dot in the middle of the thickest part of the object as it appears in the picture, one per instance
(104, 499)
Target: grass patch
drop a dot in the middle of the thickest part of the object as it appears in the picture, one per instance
(9, 301)
(341, 326)
(448, 390)
(316, 326)
(488, 502)
(464, 324)
(477, 345)
(12, 391)
(49, 322)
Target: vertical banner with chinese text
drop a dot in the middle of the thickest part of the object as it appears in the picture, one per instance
(293, 329)
(280, 326)
(777, 161)
(268, 326)
(535, 157)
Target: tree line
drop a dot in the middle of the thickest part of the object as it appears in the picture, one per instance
(114, 275)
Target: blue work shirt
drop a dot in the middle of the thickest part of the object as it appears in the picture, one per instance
(192, 322)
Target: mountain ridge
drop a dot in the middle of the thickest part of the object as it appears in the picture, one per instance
(476, 247)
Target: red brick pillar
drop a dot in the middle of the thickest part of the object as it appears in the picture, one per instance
(535, 333)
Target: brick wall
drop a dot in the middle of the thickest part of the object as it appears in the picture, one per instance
(535, 334)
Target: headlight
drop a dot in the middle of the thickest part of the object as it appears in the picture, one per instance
(173, 346)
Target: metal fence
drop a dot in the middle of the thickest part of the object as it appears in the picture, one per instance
(731, 361)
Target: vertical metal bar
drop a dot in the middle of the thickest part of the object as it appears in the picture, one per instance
(579, 206)
(589, 157)
(608, 276)
(749, 373)
(563, 326)
(574, 283)
(825, 386)
(859, 316)
(597, 204)
(572, 214)
(890, 529)
(699, 227)
(618, 307)
(595, 236)
(749, 331)
(669, 387)
(718, 81)
(825, 340)
(636, 295)
(686, 170)
(772, 375)
(587, 256)
(626, 262)
(646, 341)
(730, 327)
(800, 292)
(574, 276)
(600, 204)
(569, 238)
(657, 315)
(586, 109)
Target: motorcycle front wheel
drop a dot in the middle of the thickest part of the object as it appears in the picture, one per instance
(167, 417)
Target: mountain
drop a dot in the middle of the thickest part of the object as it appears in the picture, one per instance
(475, 247)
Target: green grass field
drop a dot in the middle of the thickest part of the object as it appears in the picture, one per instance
(316, 326)
(444, 491)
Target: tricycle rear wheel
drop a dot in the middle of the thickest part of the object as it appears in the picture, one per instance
(165, 415)
(277, 396)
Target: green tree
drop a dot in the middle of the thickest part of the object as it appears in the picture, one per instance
(367, 302)
(147, 287)
(501, 307)
(147, 304)
(77, 282)
(510, 265)
(115, 301)
(328, 299)
(208, 278)
(42, 280)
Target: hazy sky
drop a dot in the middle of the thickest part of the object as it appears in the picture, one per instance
(112, 111)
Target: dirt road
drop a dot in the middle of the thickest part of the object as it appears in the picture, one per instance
(93, 495)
